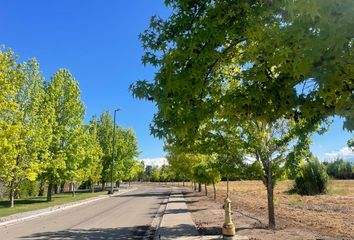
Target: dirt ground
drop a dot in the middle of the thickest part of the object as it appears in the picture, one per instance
(329, 216)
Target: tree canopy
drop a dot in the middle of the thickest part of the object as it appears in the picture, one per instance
(261, 74)
(43, 136)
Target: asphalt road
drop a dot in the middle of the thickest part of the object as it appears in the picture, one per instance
(126, 216)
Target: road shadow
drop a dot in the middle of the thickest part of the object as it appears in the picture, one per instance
(95, 233)
(178, 211)
(153, 194)
(181, 230)
(182, 201)
(210, 230)
(218, 230)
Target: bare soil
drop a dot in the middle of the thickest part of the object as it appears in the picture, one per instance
(329, 216)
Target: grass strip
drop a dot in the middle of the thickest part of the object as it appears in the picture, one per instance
(35, 203)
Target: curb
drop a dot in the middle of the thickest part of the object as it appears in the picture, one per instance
(158, 236)
(156, 222)
(162, 213)
(25, 216)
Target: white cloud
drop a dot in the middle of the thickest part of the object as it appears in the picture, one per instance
(344, 152)
(155, 161)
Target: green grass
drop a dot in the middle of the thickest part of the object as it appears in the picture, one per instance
(35, 203)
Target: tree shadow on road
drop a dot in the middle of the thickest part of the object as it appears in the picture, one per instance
(95, 233)
(153, 194)
(180, 230)
(179, 211)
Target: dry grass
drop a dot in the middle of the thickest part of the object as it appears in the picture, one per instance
(329, 214)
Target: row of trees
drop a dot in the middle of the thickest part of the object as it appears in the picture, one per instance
(340, 169)
(248, 79)
(43, 136)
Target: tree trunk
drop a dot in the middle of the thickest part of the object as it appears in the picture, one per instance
(55, 188)
(129, 183)
(92, 187)
(41, 189)
(270, 194)
(103, 185)
(214, 191)
(199, 187)
(12, 195)
(206, 189)
(62, 185)
(49, 193)
(183, 183)
(73, 189)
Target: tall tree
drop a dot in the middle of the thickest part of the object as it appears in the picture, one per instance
(126, 150)
(94, 153)
(182, 161)
(133, 168)
(269, 143)
(105, 137)
(155, 174)
(207, 173)
(24, 114)
(63, 97)
(250, 60)
(11, 78)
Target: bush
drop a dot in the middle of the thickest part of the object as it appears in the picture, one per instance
(28, 189)
(312, 179)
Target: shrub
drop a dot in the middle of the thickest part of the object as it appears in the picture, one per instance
(312, 179)
(28, 189)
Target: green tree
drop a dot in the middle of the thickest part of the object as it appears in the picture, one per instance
(126, 151)
(207, 173)
(351, 144)
(148, 172)
(11, 79)
(181, 161)
(133, 168)
(105, 136)
(340, 169)
(155, 174)
(270, 144)
(95, 154)
(63, 98)
(22, 115)
(250, 60)
(165, 173)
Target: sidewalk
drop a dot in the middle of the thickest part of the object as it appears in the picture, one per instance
(177, 221)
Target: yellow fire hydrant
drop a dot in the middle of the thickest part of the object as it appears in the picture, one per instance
(228, 229)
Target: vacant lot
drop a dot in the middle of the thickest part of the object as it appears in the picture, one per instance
(325, 215)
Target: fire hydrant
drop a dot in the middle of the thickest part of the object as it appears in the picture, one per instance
(228, 229)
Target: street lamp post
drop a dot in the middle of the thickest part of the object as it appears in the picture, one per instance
(113, 144)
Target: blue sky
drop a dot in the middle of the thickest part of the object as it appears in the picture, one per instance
(98, 42)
